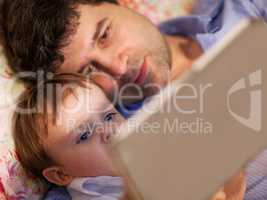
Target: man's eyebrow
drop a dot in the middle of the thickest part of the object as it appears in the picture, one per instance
(98, 29)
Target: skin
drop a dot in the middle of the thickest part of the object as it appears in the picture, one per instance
(126, 42)
(113, 46)
(234, 189)
(77, 148)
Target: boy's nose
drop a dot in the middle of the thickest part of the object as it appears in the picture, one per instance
(106, 136)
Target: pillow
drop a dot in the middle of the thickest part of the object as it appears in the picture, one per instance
(157, 10)
(14, 184)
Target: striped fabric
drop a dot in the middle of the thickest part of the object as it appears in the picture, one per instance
(257, 178)
(96, 188)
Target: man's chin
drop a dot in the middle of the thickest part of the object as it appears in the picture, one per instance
(126, 100)
(152, 88)
(130, 97)
(151, 93)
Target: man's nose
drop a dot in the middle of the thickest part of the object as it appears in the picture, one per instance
(115, 65)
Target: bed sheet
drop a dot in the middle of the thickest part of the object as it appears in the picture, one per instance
(14, 184)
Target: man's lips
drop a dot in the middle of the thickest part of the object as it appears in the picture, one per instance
(141, 77)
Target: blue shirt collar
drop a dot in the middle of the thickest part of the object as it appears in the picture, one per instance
(203, 20)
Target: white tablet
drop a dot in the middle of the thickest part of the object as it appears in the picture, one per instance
(204, 127)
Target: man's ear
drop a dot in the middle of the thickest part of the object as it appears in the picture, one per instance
(57, 175)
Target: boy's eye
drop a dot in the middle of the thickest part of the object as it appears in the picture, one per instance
(84, 137)
(109, 117)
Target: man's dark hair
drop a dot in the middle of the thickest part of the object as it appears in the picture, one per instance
(35, 31)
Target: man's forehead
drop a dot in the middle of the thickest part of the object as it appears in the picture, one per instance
(81, 43)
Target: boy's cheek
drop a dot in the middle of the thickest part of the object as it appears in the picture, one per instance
(93, 163)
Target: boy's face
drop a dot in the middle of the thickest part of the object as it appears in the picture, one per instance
(77, 141)
(122, 46)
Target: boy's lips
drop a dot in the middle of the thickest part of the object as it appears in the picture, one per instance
(142, 74)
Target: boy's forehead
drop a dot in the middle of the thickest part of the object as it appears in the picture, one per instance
(90, 96)
(79, 103)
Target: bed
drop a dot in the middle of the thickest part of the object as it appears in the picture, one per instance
(14, 184)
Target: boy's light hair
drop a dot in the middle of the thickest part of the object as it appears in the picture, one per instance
(29, 128)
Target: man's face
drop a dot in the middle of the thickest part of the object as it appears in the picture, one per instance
(119, 48)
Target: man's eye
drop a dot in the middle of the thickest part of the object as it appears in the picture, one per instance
(109, 117)
(103, 38)
(84, 137)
